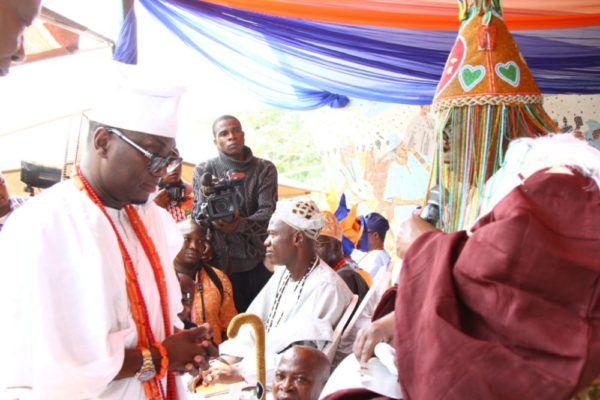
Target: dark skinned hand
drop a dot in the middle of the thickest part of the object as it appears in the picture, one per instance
(378, 331)
(190, 350)
(228, 227)
(410, 230)
(220, 373)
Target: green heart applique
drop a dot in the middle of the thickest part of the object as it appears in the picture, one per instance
(509, 72)
(470, 76)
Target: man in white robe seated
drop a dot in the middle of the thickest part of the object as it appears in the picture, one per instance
(88, 295)
(301, 303)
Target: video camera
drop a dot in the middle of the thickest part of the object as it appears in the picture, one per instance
(175, 191)
(222, 197)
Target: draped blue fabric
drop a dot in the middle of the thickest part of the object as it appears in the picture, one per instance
(299, 64)
(126, 49)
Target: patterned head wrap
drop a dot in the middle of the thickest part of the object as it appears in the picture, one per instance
(332, 227)
(302, 215)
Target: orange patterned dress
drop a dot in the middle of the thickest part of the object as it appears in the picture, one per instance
(208, 306)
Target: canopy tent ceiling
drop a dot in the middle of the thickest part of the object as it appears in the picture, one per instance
(425, 14)
(42, 99)
(66, 27)
(306, 54)
(55, 35)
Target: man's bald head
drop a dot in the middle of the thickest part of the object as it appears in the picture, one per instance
(301, 374)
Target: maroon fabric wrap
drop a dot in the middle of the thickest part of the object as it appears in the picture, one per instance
(511, 312)
(386, 303)
(354, 394)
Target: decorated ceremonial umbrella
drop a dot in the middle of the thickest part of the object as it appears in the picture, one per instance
(486, 97)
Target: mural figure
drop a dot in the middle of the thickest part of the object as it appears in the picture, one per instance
(407, 179)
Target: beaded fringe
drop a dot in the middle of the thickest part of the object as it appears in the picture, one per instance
(472, 141)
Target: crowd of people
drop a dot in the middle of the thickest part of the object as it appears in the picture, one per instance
(121, 281)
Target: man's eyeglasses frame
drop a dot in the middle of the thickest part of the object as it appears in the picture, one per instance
(156, 163)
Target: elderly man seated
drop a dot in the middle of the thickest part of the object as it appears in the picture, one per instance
(301, 374)
(299, 304)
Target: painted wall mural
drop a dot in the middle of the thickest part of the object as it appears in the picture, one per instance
(380, 154)
(577, 114)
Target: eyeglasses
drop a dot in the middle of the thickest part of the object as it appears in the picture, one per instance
(156, 163)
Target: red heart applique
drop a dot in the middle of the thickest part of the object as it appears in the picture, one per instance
(455, 61)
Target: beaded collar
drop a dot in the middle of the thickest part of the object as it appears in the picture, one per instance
(281, 285)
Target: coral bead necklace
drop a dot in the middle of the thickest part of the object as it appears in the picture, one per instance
(152, 388)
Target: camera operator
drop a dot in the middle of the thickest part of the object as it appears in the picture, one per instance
(175, 195)
(237, 240)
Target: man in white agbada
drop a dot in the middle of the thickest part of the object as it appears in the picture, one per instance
(76, 325)
(299, 304)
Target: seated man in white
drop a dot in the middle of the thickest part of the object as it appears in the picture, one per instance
(301, 303)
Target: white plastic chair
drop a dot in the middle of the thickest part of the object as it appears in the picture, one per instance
(332, 346)
(362, 316)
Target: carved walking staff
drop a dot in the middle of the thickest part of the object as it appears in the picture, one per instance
(259, 336)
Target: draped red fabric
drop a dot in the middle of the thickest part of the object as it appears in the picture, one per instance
(386, 303)
(425, 14)
(513, 311)
(354, 394)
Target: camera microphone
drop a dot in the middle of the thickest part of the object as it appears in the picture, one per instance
(431, 211)
(207, 182)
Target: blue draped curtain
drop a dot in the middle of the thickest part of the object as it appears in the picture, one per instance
(300, 64)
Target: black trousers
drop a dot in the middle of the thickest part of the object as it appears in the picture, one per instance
(246, 285)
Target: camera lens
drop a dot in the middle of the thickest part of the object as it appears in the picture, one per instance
(221, 206)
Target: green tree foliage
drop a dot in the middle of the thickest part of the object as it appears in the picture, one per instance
(282, 137)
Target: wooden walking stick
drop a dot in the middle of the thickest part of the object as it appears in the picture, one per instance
(259, 335)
